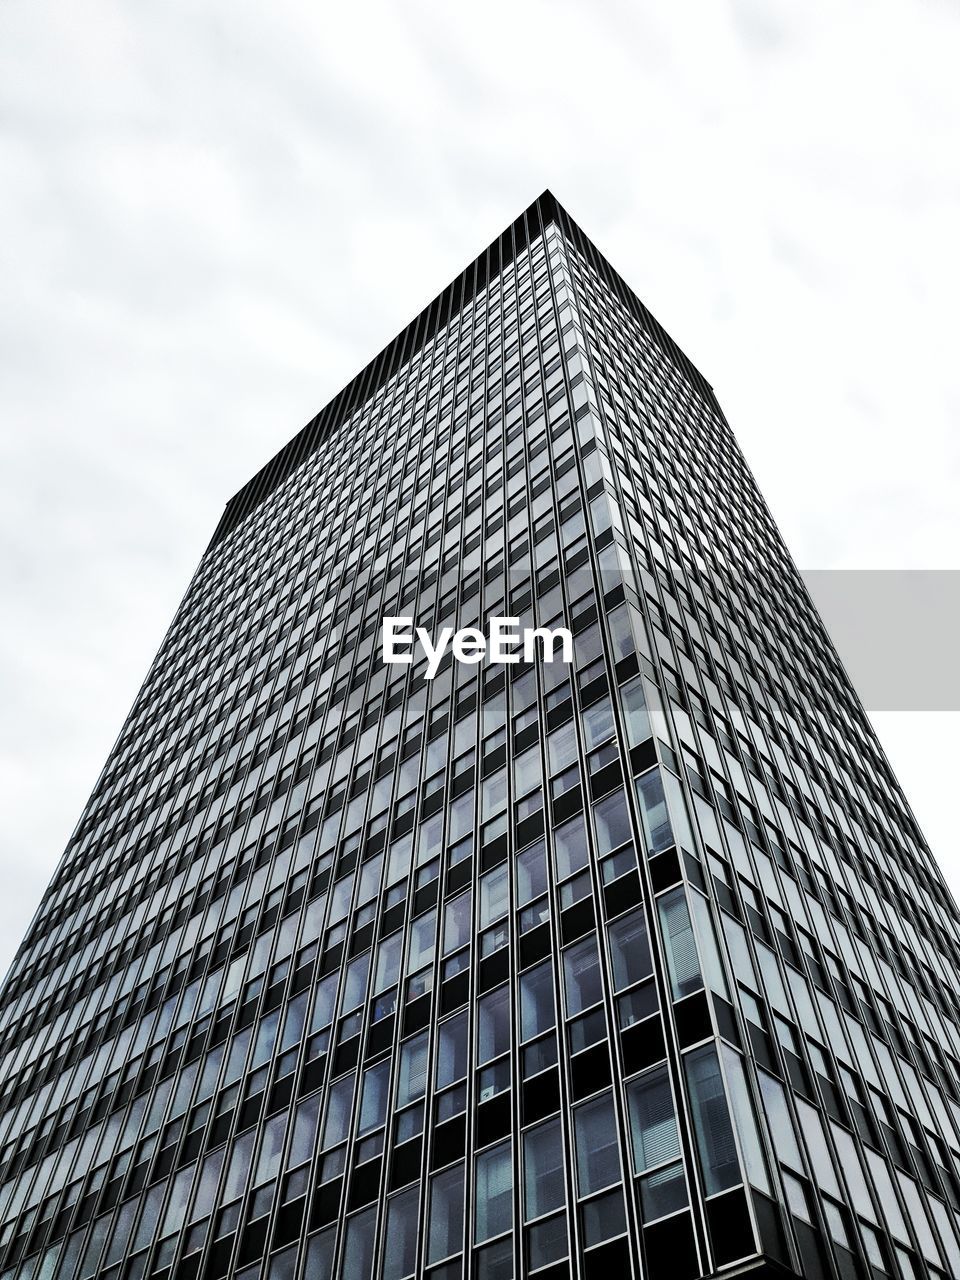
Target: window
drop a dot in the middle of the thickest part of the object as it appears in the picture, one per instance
(598, 723)
(452, 1050)
(656, 1144)
(373, 1097)
(493, 1021)
(388, 963)
(457, 922)
(358, 1249)
(526, 771)
(598, 1158)
(653, 1124)
(338, 1112)
(412, 1076)
(532, 887)
(543, 1170)
(711, 1121)
(612, 822)
(741, 1104)
(355, 983)
(537, 1006)
(621, 630)
(445, 1231)
(400, 1238)
(706, 936)
(680, 944)
(562, 748)
(494, 895)
(494, 1193)
(629, 950)
(635, 712)
(570, 847)
(581, 976)
(781, 1122)
(423, 935)
(653, 812)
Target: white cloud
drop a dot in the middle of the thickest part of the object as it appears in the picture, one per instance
(213, 214)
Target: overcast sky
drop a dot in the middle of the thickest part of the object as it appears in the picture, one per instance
(213, 213)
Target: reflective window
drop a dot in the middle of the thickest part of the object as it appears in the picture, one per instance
(683, 960)
(445, 1232)
(629, 950)
(581, 976)
(401, 1235)
(543, 1169)
(494, 1194)
(493, 1025)
(656, 1144)
(598, 1151)
(711, 1121)
(537, 1006)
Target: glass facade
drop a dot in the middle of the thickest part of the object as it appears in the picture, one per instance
(633, 966)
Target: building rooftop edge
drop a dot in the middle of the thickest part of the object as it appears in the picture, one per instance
(461, 290)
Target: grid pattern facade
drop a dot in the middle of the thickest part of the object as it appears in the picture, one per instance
(637, 966)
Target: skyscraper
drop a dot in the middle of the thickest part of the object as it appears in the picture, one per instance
(635, 965)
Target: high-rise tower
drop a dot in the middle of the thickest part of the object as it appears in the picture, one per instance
(632, 966)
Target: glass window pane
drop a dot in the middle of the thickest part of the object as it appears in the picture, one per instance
(741, 1105)
(445, 1234)
(543, 1170)
(412, 1078)
(423, 936)
(304, 1131)
(613, 823)
(537, 1006)
(373, 1099)
(271, 1146)
(531, 873)
(452, 1050)
(494, 1192)
(547, 1241)
(711, 1121)
(680, 944)
(457, 923)
(653, 1123)
(598, 723)
(603, 1217)
(653, 812)
(282, 1266)
(663, 1191)
(324, 1001)
(570, 847)
(338, 1112)
(780, 1121)
(355, 983)
(358, 1249)
(493, 1025)
(629, 950)
(494, 895)
(635, 712)
(388, 962)
(707, 939)
(562, 747)
(494, 1262)
(526, 771)
(678, 810)
(581, 976)
(598, 1154)
(319, 1264)
(400, 1239)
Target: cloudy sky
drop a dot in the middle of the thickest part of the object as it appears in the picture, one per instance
(213, 213)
